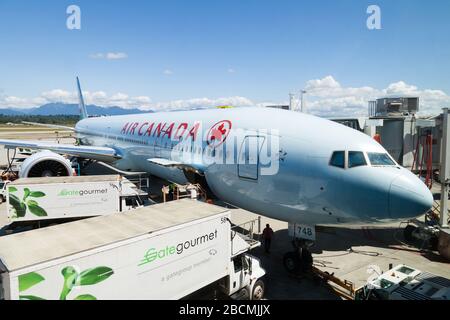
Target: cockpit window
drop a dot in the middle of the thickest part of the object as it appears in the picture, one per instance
(356, 159)
(338, 159)
(380, 159)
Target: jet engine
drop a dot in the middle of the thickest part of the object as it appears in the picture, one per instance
(45, 164)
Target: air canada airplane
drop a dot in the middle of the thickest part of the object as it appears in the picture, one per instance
(282, 164)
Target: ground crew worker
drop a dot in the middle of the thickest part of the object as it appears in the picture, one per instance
(377, 138)
(267, 236)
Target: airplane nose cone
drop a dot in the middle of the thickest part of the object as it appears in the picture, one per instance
(409, 197)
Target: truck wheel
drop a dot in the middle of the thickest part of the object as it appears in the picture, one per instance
(291, 262)
(1, 199)
(258, 290)
(408, 232)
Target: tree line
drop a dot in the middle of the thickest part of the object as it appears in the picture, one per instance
(53, 119)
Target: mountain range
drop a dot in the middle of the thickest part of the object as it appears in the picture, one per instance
(68, 109)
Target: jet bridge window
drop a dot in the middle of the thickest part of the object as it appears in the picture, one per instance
(356, 159)
(380, 159)
(338, 159)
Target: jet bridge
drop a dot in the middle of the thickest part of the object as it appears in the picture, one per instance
(435, 229)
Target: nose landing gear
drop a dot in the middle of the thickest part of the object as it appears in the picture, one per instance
(300, 259)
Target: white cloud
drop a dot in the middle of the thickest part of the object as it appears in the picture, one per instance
(324, 97)
(58, 95)
(231, 70)
(119, 97)
(202, 103)
(327, 97)
(98, 95)
(109, 55)
(401, 88)
(99, 98)
(116, 55)
(142, 100)
(168, 72)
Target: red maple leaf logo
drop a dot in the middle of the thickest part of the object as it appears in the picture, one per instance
(217, 134)
(222, 128)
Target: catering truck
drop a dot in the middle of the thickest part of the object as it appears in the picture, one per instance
(51, 198)
(3, 188)
(164, 251)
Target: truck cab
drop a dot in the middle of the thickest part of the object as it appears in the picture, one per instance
(3, 185)
(245, 279)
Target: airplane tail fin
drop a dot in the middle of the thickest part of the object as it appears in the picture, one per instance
(81, 106)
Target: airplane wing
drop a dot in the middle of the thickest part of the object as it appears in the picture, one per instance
(90, 152)
(56, 126)
(164, 162)
(170, 163)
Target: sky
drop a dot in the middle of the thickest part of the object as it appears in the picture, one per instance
(174, 54)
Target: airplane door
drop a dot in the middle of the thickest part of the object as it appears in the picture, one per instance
(248, 160)
(159, 141)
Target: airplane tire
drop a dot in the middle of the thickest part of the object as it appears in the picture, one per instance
(291, 262)
(408, 232)
(243, 294)
(434, 243)
(258, 290)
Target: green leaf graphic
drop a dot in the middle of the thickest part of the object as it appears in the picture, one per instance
(36, 210)
(85, 297)
(94, 275)
(70, 276)
(12, 189)
(37, 194)
(30, 298)
(28, 280)
(26, 193)
(18, 205)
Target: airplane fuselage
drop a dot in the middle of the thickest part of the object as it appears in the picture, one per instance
(282, 164)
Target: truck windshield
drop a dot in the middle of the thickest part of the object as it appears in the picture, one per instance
(380, 159)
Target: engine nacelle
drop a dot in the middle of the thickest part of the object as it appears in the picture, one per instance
(45, 164)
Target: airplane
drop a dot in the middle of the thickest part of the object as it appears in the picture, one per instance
(282, 164)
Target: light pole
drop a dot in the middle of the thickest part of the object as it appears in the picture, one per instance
(302, 107)
(291, 101)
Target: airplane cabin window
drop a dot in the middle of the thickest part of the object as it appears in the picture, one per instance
(338, 159)
(380, 159)
(356, 159)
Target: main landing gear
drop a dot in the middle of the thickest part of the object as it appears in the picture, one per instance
(300, 259)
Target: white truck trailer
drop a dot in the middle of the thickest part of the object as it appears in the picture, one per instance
(164, 251)
(50, 198)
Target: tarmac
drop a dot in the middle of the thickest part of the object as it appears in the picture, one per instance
(350, 253)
